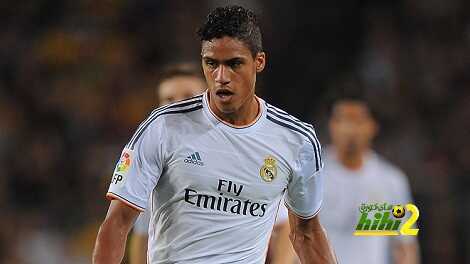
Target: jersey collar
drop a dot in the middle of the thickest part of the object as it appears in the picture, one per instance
(217, 122)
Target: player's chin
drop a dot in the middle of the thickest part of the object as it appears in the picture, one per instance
(226, 107)
(226, 103)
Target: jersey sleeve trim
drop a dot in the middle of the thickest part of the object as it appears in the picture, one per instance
(175, 108)
(299, 215)
(114, 196)
(295, 126)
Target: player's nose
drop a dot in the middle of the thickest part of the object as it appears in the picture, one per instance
(222, 75)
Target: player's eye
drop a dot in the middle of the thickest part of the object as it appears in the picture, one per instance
(235, 64)
(211, 64)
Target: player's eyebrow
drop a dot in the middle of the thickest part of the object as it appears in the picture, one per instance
(236, 59)
(226, 62)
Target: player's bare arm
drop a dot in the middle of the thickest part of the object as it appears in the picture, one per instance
(406, 252)
(309, 240)
(111, 240)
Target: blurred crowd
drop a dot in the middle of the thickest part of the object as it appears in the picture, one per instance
(76, 77)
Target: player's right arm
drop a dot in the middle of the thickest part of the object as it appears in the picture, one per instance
(111, 240)
(136, 174)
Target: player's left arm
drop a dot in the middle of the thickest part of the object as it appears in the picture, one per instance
(405, 252)
(304, 198)
(310, 241)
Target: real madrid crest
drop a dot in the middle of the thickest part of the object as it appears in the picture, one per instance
(269, 170)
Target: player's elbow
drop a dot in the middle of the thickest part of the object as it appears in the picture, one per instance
(300, 238)
(309, 240)
(304, 229)
(112, 235)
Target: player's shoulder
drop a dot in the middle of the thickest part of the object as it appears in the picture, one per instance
(290, 125)
(175, 110)
(394, 180)
(391, 171)
(160, 118)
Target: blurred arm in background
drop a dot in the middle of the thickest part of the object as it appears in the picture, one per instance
(280, 248)
(139, 239)
(405, 251)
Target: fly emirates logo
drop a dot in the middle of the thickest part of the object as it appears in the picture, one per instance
(224, 203)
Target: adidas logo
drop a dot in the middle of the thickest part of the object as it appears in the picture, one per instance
(194, 159)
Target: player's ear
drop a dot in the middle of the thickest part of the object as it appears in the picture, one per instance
(260, 61)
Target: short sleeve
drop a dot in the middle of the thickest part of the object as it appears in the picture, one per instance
(139, 167)
(401, 194)
(305, 189)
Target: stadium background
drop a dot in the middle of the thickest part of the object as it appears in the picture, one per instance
(76, 77)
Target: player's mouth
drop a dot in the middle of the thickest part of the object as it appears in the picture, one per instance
(224, 94)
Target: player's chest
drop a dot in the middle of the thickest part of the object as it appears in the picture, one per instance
(237, 166)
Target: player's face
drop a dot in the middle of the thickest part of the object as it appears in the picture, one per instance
(352, 127)
(179, 88)
(230, 72)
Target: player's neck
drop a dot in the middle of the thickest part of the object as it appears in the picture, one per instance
(244, 116)
(352, 161)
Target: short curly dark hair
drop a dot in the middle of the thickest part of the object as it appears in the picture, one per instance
(233, 21)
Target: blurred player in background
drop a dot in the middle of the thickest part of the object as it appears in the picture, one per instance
(176, 82)
(217, 166)
(356, 175)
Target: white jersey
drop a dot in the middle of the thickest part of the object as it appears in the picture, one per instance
(345, 191)
(215, 188)
(141, 225)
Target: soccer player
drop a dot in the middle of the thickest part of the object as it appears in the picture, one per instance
(216, 166)
(176, 82)
(356, 175)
